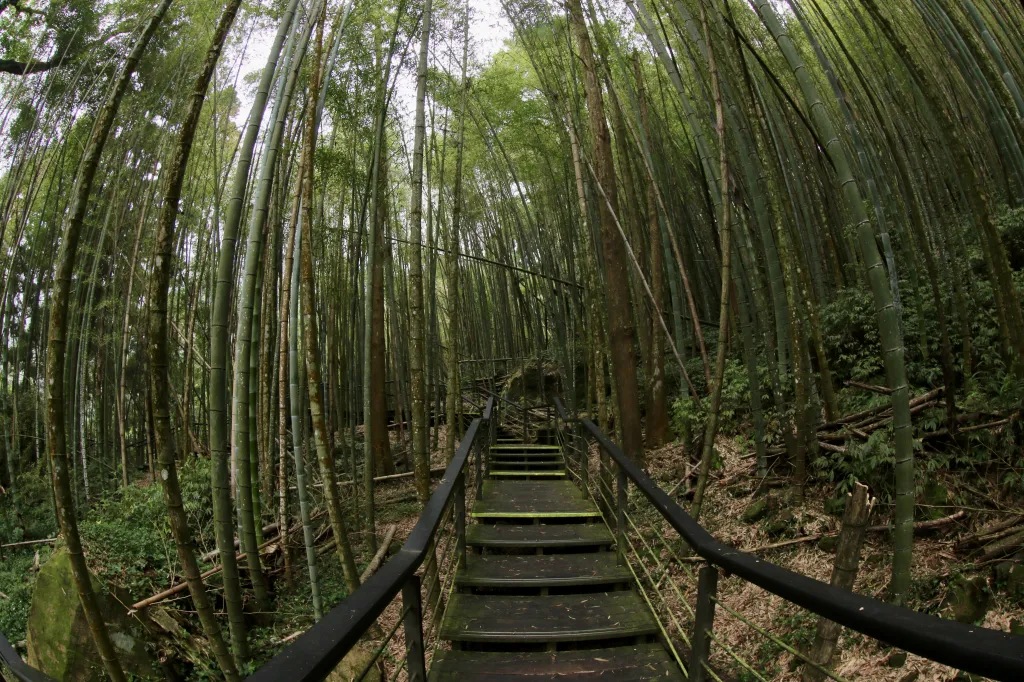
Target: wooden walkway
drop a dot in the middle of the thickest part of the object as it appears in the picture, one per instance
(543, 594)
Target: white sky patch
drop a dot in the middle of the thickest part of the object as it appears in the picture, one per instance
(489, 28)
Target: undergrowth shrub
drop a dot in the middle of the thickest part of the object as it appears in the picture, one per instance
(689, 419)
(129, 535)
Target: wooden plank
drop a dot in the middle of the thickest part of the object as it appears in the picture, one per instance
(532, 499)
(542, 570)
(538, 535)
(526, 447)
(519, 464)
(537, 455)
(620, 664)
(546, 618)
(532, 473)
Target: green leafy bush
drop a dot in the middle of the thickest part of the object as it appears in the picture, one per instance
(129, 534)
(1011, 229)
(871, 463)
(689, 419)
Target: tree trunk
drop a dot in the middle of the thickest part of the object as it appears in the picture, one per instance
(844, 573)
(57, 348)
(159, 358)
(725, 241)
(311, 340)
(420, 457)
(619, 304)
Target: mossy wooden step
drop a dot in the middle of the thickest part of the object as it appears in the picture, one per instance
(526, 452)
(535, 456)
(528, 461)
(527, 466)
(542, 570)
(532, 499)
(642, 663)
(524, 446)
(538, 535)
(524, 473)
(546, 618)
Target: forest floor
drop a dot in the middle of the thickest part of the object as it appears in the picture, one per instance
(936, 568)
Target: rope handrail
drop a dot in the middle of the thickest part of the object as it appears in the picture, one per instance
(315, 653)
(978, 650)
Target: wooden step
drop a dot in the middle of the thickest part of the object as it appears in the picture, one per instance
(542, 570)
(508, 463)
(538, 535)
(526, 454)
(526, 447)
(530, 473)
(619, 664)
(546, 618)
(539, 466)
(532, 499)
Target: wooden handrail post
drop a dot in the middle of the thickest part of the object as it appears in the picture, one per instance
(703, 620)
(413, 622)
(480, 453)
(492, 437)
(620, 521)
(460, 519)
(584, 463)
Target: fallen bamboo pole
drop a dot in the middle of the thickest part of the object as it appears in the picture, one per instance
(382, 552)
(25, 543)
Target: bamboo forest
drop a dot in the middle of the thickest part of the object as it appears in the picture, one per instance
(511, 340)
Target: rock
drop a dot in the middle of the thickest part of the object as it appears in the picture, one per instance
(59, 641)
(897, 659)
(967, 599)
(756, 511)
(782, 524)
(1015, 581)
(936, 496)
(828, 543)
(353, 664)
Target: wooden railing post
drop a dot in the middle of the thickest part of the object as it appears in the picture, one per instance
(460, 519)
(620, 521)
(413, 622)
(584, 463)
(703, 620)
(480, 454)
(492, 436)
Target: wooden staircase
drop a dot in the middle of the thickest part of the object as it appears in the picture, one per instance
(543, 594)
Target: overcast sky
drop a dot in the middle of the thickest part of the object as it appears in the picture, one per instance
(488, 30)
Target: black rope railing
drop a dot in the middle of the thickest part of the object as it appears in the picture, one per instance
(982, 651)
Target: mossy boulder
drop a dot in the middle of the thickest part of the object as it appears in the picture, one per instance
(967, 600)
(355, 661)
(897, 659)
(59, 641)
(756, 511)
(782, 524)
(1015, 581)
(828, 543)
(936, 496)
